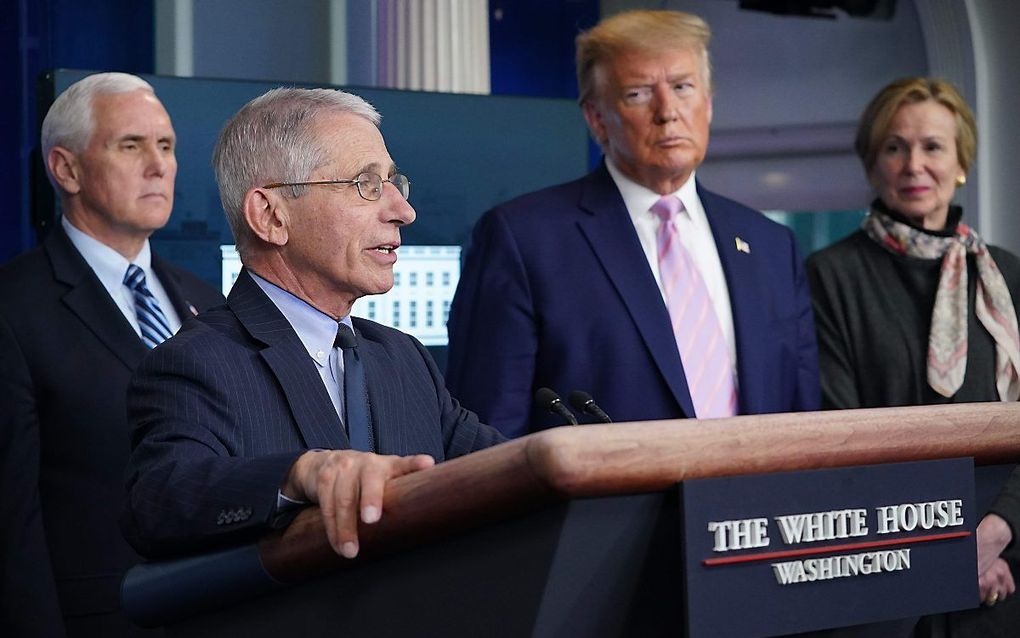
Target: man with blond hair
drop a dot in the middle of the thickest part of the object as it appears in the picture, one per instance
(635, 283)
(78, 314)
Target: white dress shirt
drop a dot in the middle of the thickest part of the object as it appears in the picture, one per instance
(695, 234)
(110, 266)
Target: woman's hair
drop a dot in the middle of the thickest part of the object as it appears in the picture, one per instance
(874, 124)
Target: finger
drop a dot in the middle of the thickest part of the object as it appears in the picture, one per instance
(373, 484)
(324, 493)
(375, 476)
(345, 496)
(1009, 586)
(408, 464)
(985, 588)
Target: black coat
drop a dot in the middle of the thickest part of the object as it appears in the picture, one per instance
(66, 355)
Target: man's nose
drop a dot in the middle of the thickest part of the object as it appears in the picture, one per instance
(665, 103)
(399, 209)
(157, 161)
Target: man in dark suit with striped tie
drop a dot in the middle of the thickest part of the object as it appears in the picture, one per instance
(78, 314)
(281, 398)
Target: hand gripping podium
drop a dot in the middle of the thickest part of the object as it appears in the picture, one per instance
(575, 531)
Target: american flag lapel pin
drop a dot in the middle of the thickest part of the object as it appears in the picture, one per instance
(742, 246)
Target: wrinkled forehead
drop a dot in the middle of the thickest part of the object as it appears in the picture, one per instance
(349, 142)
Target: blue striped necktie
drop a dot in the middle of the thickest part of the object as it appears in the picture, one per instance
(359, 414)
(154, 326)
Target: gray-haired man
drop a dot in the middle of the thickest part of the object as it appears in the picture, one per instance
(78, 314)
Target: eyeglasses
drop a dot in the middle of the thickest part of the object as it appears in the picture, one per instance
(370, 185)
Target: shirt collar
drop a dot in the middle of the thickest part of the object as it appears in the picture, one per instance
(639, 199)
(108, 264)
(315, 329)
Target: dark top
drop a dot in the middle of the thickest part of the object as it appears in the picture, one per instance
(872, 314)
(66, 355)
(223, 410)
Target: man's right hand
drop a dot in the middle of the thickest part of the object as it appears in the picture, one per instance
(346, 484)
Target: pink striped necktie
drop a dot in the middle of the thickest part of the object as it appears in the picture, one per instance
(699, 338)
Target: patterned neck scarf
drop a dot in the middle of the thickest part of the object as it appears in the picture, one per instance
(947, 341)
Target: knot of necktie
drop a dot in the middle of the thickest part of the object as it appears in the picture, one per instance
(152, 323)
(134, 278)
(667, 207)
(345, 337)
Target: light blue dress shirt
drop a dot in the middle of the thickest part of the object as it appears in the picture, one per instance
(317, 332)
(110, 266)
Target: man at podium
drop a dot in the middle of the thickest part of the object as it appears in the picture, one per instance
(280, 398)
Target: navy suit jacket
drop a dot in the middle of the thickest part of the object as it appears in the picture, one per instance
(66, 355)
(557, 292)
(222, 410)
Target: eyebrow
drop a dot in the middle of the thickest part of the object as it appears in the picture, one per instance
(374, 168)
(136, 137)
(640, 83)
(923, 138)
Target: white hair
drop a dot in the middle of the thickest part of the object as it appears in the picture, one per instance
(70, 121)
(272, 139)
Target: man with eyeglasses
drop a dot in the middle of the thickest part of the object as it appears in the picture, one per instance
(281, 399)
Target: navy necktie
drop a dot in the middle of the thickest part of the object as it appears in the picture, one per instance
(154, 326)
(358, 412)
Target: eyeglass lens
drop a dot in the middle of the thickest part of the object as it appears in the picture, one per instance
(370, 185)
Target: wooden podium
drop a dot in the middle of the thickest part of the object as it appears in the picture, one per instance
(572, 531)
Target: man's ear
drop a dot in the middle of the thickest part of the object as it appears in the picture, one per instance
(266, 218)
(594, 119)
(64, 168)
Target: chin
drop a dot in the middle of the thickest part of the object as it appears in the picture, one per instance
(380, 288)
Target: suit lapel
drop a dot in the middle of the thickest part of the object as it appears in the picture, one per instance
(611, 235)
(288, 360)
(747, 299)
(87, 299)
(172, 286)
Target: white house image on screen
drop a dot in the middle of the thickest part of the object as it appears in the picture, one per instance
(424, 280)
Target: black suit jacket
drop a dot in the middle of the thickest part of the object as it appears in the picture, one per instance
(66, 355)
(222, 410)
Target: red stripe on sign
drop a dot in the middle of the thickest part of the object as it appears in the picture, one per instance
(830, 549)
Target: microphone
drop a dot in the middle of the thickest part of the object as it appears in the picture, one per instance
(583, 402)
(551, 402)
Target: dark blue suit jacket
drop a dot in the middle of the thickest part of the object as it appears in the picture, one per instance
(66, 355)
(556, 291)
(222, 411)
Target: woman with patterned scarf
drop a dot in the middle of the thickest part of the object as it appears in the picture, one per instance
(915, 308)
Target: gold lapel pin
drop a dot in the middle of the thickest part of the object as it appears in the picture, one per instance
(742, 246)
